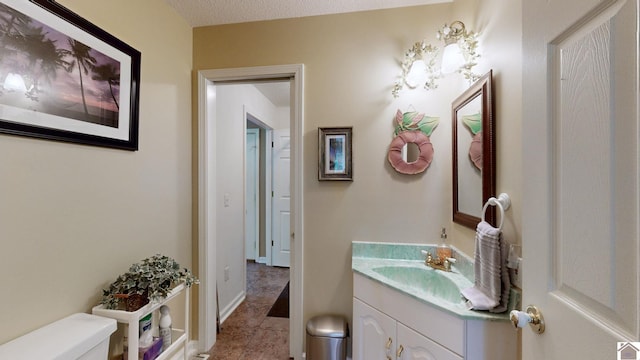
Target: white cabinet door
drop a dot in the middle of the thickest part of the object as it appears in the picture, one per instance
(373, 333)
(417, 347)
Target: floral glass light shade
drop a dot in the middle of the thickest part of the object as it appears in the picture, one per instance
(452, 59)
(419, 65)
(417, 74)
(14, 82)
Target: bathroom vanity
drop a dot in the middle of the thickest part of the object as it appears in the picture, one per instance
(403, 309)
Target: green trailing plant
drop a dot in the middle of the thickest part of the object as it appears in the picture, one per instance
(152, 278)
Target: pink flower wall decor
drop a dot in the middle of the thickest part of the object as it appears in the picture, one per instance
(412, 128)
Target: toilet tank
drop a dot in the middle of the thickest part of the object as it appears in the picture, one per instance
(78, 336)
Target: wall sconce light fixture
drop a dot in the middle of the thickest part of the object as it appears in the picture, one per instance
(419, 65)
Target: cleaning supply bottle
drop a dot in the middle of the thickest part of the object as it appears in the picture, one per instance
(145, 324)
(165, 327)
(444, 251)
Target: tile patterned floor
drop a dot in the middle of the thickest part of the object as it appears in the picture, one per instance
(248, 334)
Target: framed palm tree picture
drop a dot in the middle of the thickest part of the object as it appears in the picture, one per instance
(63, 78)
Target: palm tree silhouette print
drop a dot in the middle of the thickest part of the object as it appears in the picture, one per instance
(84, 61)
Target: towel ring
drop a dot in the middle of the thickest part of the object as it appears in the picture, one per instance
(503, 202)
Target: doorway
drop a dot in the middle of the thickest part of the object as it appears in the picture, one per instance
(258, 180)
(268, 179)
(210, 200)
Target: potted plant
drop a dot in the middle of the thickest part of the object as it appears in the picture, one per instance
(151, 279)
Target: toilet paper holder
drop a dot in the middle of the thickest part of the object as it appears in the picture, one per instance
(532, 316)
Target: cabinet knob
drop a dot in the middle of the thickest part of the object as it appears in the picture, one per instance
(388, 345)
(399, 352)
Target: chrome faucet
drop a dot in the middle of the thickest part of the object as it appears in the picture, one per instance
(438, 263)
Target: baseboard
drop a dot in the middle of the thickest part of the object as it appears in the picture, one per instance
(194, 353)
(226, 312)
(262, 260)
(192, 349)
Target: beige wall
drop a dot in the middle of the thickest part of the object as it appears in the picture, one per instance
(73, 217)
(351, 63)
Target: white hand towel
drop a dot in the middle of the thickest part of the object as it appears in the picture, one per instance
(492, 285)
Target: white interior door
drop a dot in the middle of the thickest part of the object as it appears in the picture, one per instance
(281, 214)
(580, 163)
(252, 202)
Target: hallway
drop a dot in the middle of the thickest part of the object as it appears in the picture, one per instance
(248, 333)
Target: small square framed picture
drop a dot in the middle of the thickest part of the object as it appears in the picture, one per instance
(334, 153)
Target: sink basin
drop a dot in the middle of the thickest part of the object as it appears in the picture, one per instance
(424, 280)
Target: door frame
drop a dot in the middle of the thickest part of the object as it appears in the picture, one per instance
(255, 172)
(207, 241)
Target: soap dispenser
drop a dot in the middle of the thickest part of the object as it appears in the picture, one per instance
(444, 251)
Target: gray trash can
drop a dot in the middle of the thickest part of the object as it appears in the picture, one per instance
(327, 338)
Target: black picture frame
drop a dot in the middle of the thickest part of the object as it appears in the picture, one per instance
(335, 153)
(63, 78)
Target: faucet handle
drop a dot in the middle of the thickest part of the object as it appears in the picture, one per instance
(429, 259)
(446, 264)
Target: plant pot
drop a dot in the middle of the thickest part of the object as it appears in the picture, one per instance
(134, 302)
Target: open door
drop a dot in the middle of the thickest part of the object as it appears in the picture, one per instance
(580, 171)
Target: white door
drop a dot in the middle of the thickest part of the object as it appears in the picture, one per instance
(580, 176)
(281, 213)
(252, 202)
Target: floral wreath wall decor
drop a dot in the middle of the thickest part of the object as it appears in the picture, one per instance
(412, 128)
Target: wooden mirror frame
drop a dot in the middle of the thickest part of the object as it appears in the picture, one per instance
(483, 88)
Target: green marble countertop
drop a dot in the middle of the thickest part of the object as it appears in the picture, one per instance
(398, 265)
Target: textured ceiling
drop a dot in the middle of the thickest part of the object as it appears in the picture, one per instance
(216, 12)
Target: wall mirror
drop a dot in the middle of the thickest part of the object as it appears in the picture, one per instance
(410, 152)
(474, 157)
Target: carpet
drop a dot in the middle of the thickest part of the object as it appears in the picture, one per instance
(280, 307)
